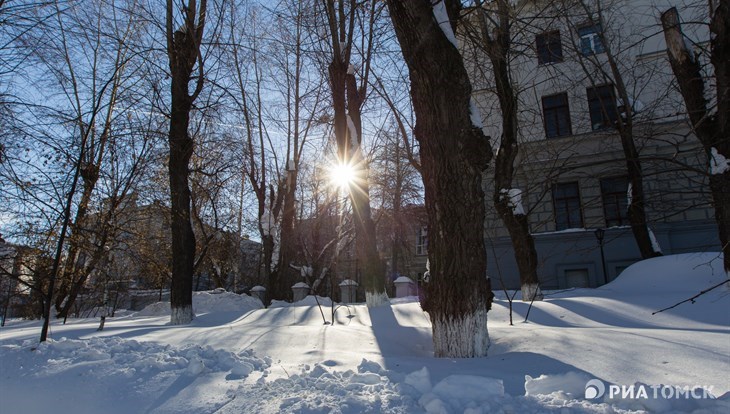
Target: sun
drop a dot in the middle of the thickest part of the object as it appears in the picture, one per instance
(342, 175)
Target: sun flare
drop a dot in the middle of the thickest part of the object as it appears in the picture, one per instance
(342, 175)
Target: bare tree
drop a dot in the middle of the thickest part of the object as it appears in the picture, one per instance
(348, 99)
(711, 125)
(494, 36)
(454, 154)
(184, 54)
(624, 120)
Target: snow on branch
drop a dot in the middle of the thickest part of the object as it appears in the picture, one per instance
(514, 200)
(718, 163)
(442, 18)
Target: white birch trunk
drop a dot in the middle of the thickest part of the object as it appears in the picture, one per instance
(181, 316)
(465, 337)
(374, 300)
(531, 290)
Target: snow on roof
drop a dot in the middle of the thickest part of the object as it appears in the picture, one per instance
(348, 282)
(403, 279)
(300, 285)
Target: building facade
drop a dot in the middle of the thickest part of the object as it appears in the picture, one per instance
(569, 60)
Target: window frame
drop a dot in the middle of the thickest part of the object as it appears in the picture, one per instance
(549, 47)
(616, 199)
(590, 39)
(565, 205)
(602, 106)
(422, 241)
(554, 113)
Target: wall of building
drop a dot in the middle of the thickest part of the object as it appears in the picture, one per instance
(678, 203)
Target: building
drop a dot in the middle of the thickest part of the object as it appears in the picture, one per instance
(571, 171)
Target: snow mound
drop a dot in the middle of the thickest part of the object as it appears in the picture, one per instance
(464, 393)
(212, 301)
(308, 301)
(672, 273)
(117, 357)
(318, 389)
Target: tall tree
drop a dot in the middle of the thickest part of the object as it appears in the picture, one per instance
(603, 69)
(184, 52)
(348, 99)
(711, 127)
(495, 38)
(454, 154)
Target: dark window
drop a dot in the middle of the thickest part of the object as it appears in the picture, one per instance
(556, 113)
(615, 200)
(566, 201)
(590, 40)
(602, 106)
(549, 48)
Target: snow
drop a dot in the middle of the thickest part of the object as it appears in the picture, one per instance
(442, 18)
(284, 359)
(354, 139)
(654, 243)
(348, 282)
(307, 301)
(403, 279)
(300, 285)
(514, 196)
(205, 302)
(629, 195)
(475, 114)
(718, 163)
(268, 222)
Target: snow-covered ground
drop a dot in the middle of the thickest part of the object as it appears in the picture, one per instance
(237, 357)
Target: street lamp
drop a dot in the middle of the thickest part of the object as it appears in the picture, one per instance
(600, 234)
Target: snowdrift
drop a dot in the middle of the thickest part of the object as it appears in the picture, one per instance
(211, 301)
(575, 347)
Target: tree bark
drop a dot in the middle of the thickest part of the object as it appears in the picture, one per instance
(454, 154)
(183, 48)
(712, 130)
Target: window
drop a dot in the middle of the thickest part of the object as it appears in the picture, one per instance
(590, 40)
(602, 106)
(566, 202)
(422, 241)
(549, 48)
(556, 115)
(615, 201)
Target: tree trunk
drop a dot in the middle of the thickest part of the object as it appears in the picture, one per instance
(625, 127)
(373, 268)
(454, 154)
(347, 100)
(183, 52)
(712, 130)
(514, 217)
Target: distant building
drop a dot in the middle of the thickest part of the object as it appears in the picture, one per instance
(17, 274)
(140, 256)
